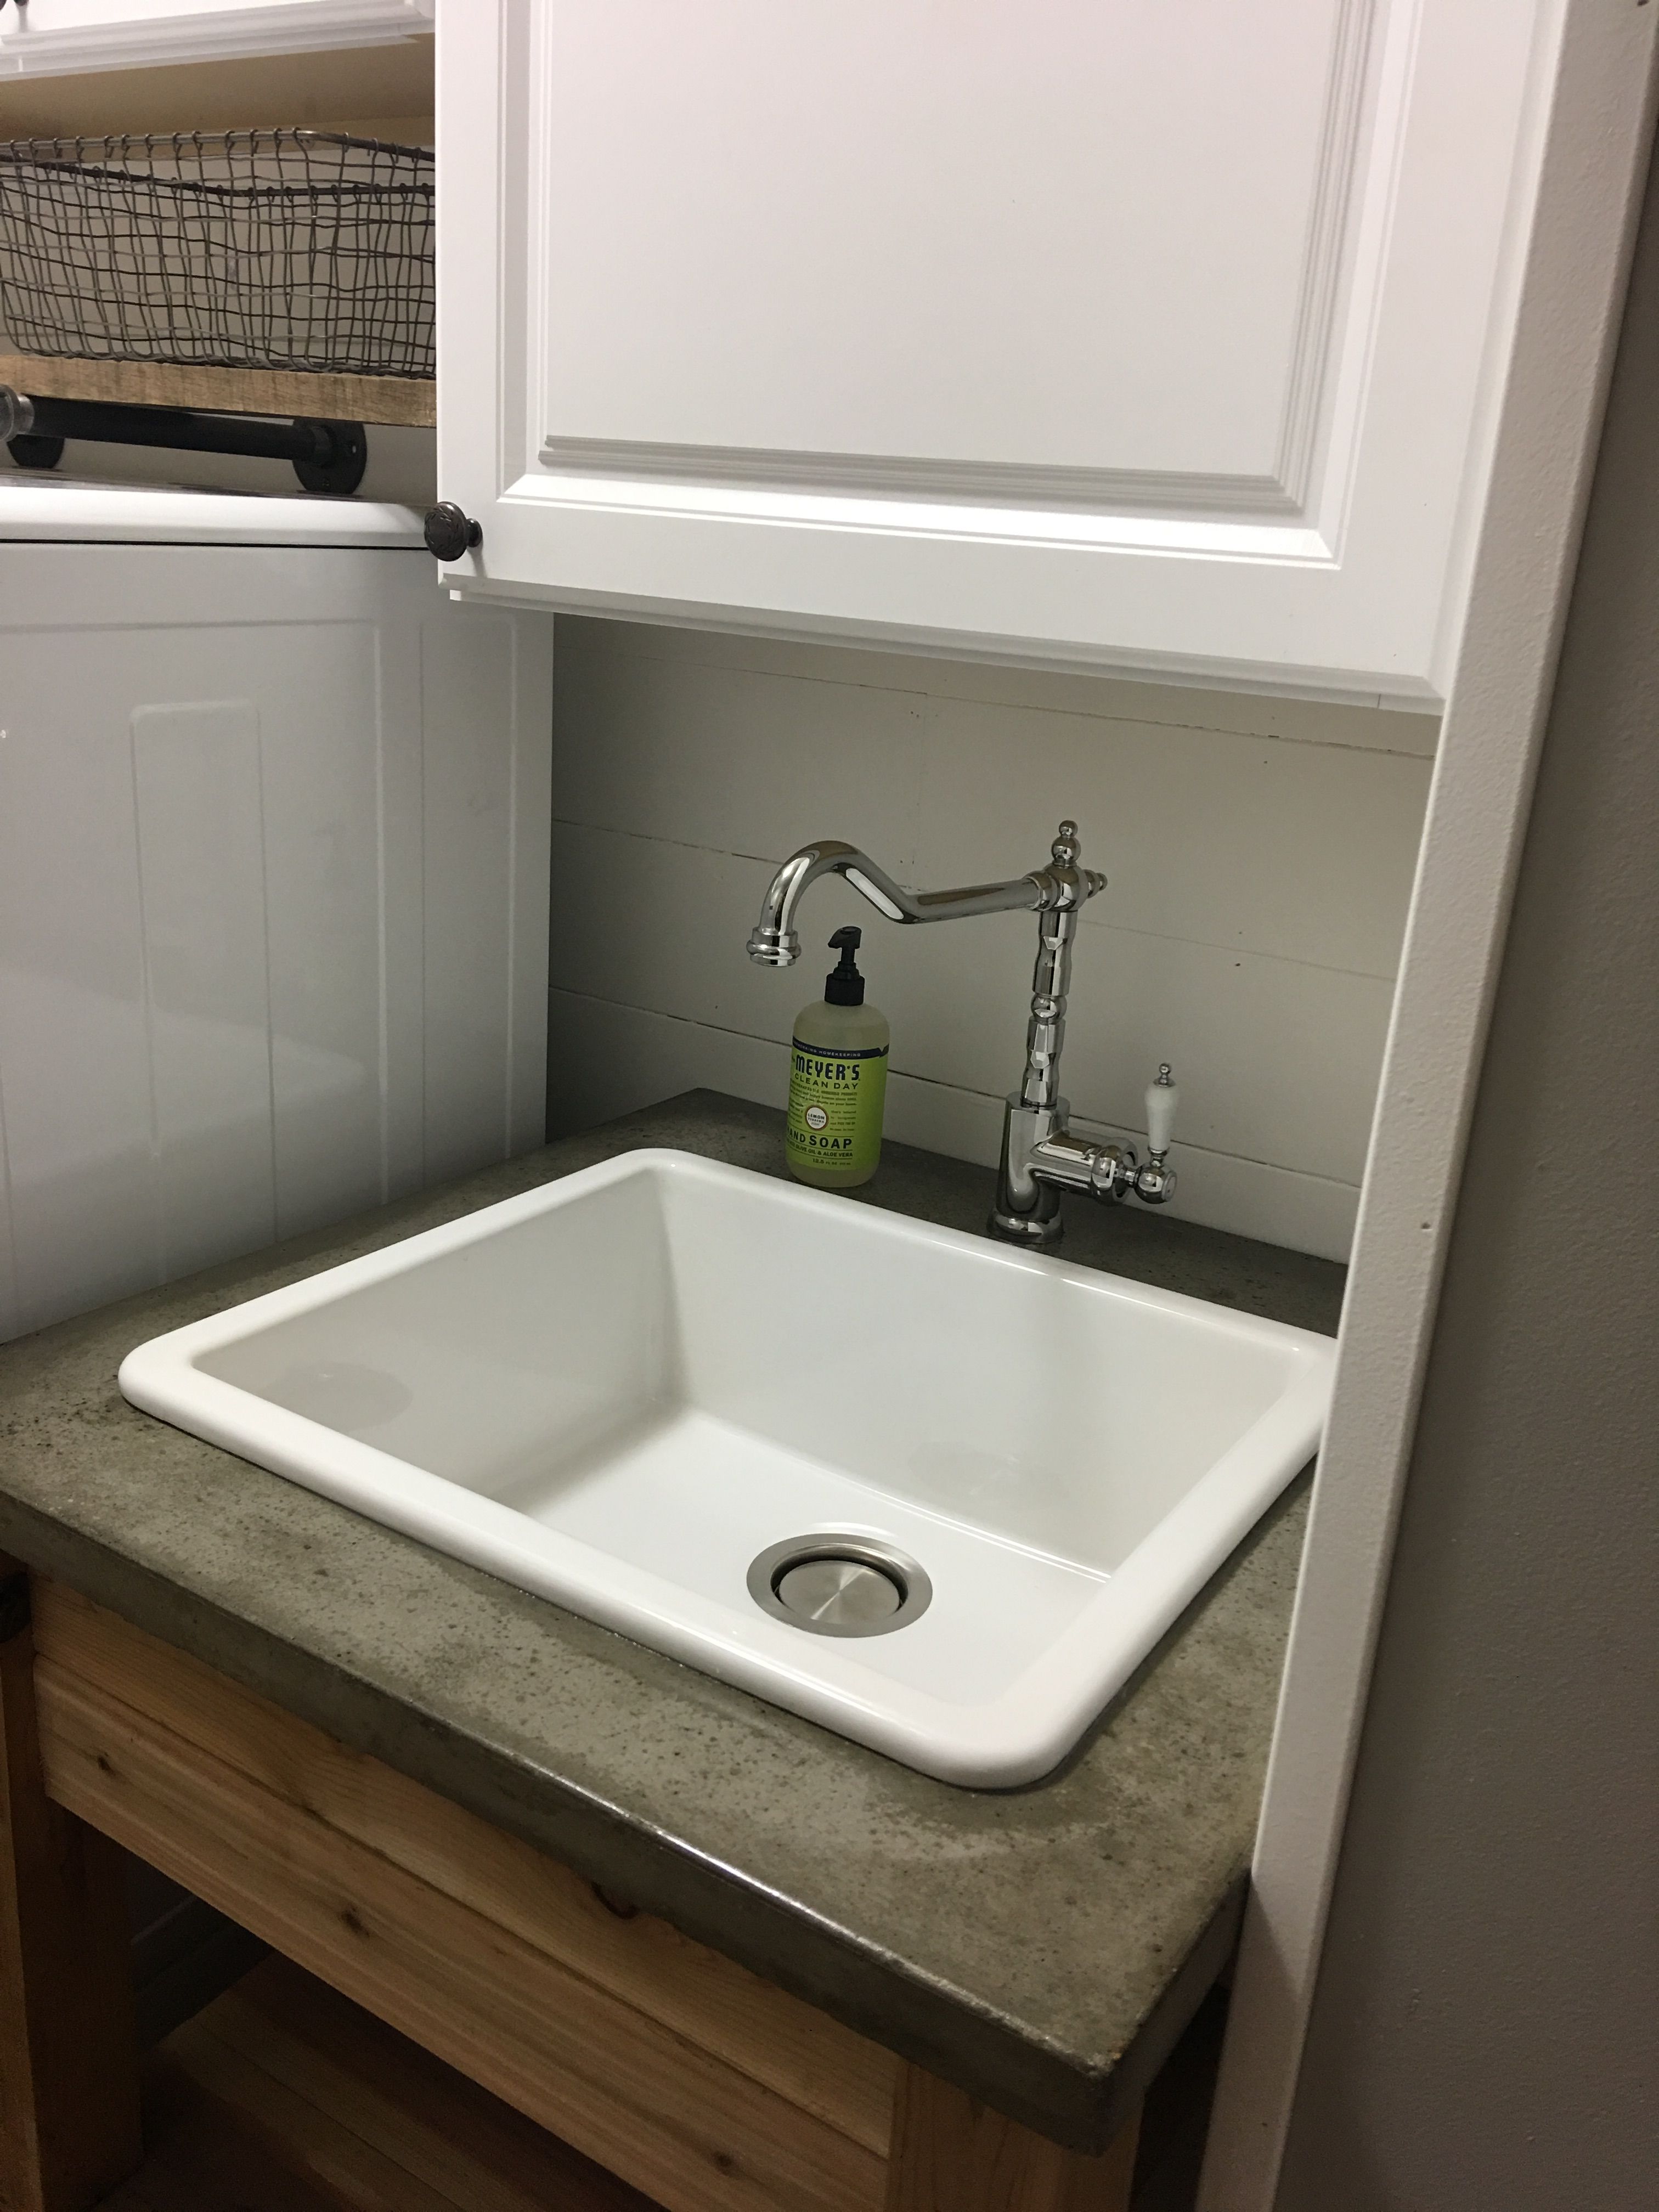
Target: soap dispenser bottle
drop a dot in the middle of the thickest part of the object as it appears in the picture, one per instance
(837, 1079)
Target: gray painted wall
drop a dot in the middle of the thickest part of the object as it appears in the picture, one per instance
(1484, 2032)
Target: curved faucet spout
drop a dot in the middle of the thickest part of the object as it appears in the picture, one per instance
(775, 943)
(1041, 1155)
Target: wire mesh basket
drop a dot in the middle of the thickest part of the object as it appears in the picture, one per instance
(244, 249)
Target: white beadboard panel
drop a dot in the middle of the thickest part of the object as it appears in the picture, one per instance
(609, 1059)
(466, 751)
(227, 789)
(400, 770)
(477, 1018)
(74, 1049)
(1263, 714)
(1277, 1060)
(201, 886)
(323, 731)
(1301, 851)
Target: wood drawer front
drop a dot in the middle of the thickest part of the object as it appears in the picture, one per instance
(702, 2085)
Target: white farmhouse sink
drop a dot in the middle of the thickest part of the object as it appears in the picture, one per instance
(648, 1389)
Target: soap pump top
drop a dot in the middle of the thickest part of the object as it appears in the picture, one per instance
(845, 985)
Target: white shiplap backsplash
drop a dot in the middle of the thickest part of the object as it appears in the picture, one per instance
(1259, 855)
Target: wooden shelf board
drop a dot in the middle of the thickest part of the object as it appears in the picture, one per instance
(411, 402)
(284, 2097)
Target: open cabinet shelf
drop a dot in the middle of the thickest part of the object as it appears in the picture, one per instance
(284, 2097)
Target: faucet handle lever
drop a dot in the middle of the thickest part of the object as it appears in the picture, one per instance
(1162, 1097)
(1155, 1182)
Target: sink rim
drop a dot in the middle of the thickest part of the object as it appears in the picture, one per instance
(997, 1744)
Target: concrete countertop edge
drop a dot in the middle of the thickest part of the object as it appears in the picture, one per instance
(870, 1989)
(806, 1953)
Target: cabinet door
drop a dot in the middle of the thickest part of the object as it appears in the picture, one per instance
(1091, 332)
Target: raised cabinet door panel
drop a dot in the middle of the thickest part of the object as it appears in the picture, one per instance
(1090, 333)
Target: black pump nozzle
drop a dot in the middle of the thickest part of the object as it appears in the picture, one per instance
(845, 987)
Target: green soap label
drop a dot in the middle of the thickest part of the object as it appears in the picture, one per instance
(834, 1105)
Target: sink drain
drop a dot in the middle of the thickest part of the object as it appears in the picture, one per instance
(836, 1585)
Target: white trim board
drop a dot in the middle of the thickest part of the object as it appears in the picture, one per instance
(56, 37)
(1235, 678)
(37, 507)
(1590, 137)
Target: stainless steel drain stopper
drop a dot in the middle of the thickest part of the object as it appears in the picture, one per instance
(831, 1584)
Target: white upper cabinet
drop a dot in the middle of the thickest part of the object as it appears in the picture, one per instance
(1161, 334)
(55, 37)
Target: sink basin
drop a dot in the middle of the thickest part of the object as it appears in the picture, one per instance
(938, 1494)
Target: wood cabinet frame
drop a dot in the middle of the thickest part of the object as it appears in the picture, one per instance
(682, 2072)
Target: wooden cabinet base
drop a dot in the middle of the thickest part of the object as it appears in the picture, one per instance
(282, 2096)
(697, 2083)
(68, 2079)
(952, 2154)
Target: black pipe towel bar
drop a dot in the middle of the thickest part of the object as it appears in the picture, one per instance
(328, 457)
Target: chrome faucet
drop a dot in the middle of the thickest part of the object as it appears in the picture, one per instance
(1041, 1157)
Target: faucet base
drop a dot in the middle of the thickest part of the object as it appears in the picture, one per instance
(1026, 1210)
(1031, 1229)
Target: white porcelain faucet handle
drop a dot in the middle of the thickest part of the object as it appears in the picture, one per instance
(1162, 1097)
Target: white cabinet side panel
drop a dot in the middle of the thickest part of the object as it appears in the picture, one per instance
(400, 770)
(468, 888)
(216, 843)
(528, 944)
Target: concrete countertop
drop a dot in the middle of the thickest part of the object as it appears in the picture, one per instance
(1042, 1947)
